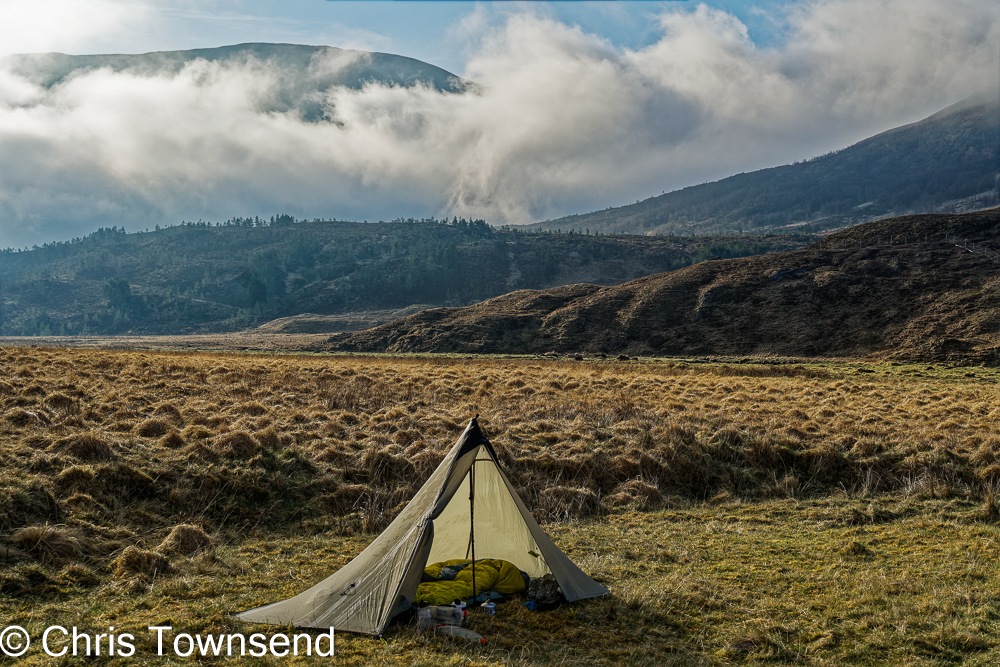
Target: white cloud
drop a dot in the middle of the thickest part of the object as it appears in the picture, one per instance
(882, 56)
(563, 121)
(361, 39)
(28, 26)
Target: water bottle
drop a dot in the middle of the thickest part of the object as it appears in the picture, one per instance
(447, 615)
(424, 620)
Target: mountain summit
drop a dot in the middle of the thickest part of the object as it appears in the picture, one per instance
(306, 73)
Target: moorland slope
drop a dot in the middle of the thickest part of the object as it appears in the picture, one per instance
(944, 163)
(916, 287)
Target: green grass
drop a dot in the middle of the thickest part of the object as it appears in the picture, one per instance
(869, 581)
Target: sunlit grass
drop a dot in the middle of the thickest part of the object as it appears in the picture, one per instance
(739, 510)
(827, 581)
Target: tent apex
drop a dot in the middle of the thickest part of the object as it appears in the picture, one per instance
(473, 437)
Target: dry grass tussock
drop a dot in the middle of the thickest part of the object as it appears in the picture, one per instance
(140, 563)
(625, 433)
(49, 544)
(141, 441)
(121, 484)
(185, 539)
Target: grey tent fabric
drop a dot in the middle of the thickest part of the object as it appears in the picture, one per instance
(382, 580)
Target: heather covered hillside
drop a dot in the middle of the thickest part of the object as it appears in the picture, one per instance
(918, 287)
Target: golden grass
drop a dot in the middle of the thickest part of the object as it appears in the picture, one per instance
(817, 582)
(697, 491)
(186, 540)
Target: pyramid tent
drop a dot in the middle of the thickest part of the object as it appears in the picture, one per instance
(436, 525)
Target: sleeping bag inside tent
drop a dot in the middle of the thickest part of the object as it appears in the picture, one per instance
(456, 579)
(466, 511)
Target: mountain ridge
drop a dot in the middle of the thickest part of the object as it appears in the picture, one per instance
(949, 160)
(308, 72)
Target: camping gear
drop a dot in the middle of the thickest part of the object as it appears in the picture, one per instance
(438, 525)
(461, 633)
(424, 620)
(491, 608)
(434, 616)
(544, 592)
(454, 579)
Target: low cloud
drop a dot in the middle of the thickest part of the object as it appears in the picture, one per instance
(562, 121)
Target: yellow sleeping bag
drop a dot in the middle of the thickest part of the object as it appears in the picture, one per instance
(491, 575)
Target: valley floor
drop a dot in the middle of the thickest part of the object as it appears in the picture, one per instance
(241, 341)
(741, 511)
(840, 580)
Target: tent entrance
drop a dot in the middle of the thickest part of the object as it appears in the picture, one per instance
(471, 551)
(483, 514)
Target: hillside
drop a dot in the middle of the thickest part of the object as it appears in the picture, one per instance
(891, 288)
(945, 163)
(197, 277)
(306, 72)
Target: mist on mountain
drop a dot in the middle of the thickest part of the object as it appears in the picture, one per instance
(558, 121)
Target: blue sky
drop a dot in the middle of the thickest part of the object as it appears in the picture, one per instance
(583, 105)
(425, 30)
(416, 28)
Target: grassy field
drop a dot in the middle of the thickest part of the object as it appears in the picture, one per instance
(745, 512)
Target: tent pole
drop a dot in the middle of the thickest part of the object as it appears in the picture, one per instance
(472, 523)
